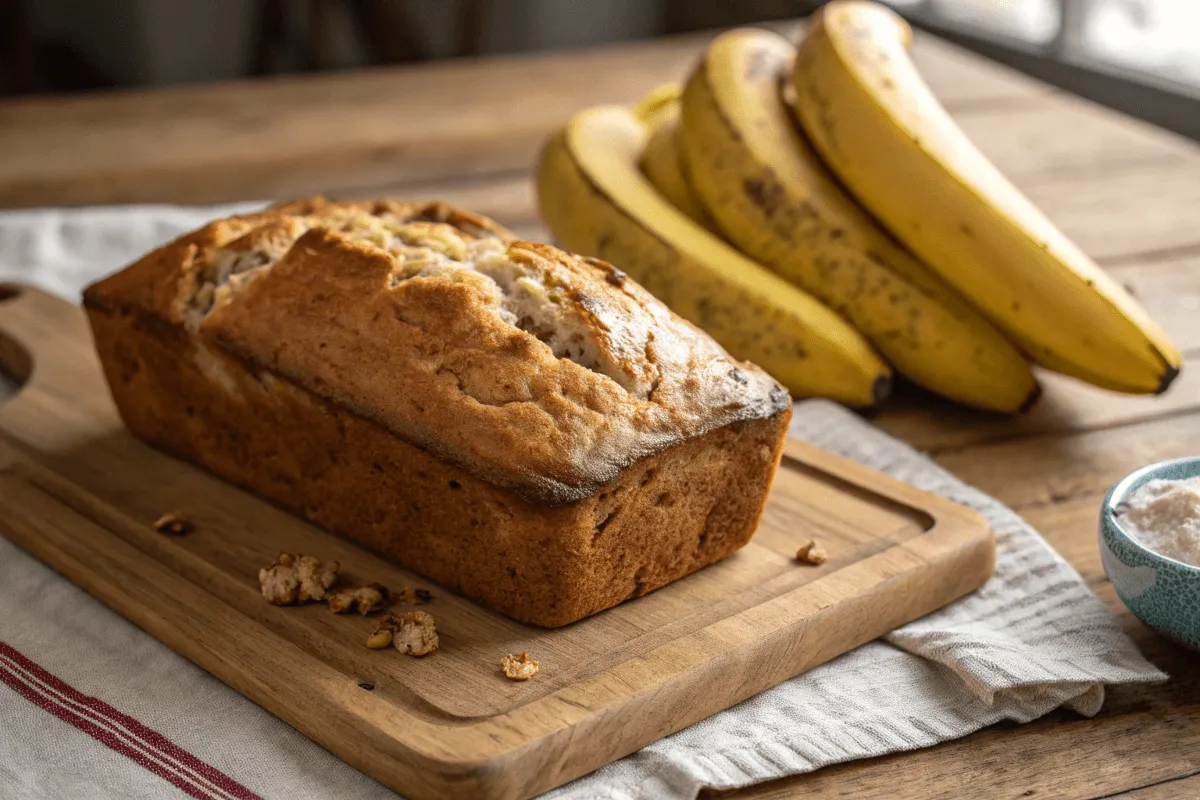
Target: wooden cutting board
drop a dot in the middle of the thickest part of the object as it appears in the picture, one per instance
(80, 494)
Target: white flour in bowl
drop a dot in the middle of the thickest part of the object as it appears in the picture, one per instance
(1164, 515)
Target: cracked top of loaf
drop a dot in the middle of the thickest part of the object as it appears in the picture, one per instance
(531, 368)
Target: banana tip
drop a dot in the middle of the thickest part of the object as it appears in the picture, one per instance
(1032, 399)
(1167, 379)
(881, 389)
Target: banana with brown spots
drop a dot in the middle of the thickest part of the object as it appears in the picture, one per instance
(773, 198)
(662, 159)
(598, 202)
(875, 121)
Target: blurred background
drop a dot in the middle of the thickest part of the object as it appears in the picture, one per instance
(1140, 56)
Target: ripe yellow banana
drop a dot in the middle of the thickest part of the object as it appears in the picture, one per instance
(869, 113)
(771, 196)
(662, 160)
(597, 202)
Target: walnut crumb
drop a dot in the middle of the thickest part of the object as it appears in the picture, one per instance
(296, 579)
(416, 634)
(811, 553)
(173, 523)
(519, 668)
(367, 599)
(408, 596)
(412, 632)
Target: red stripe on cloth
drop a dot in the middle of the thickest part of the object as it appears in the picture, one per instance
(155, 740)
(101, 735)
(127, 739)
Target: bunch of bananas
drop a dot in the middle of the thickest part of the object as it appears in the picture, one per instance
(819, 213)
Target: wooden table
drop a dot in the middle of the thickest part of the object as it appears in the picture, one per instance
(467, 132)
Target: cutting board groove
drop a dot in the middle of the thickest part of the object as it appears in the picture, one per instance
(80, 494)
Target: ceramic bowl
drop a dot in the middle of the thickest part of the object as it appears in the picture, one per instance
(1160, 591)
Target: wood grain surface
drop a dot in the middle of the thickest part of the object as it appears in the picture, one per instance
(78, 492)
(1125, 191)
(362, 131)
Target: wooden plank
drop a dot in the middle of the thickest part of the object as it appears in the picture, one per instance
(1174, 789)
(936, 425)
(293, 136)
(1046, 469)
(961, 80)
(1056, 134)
(1170, 291)
(299, 135)
(1060, 133)
(1168, 285)
(1118, 214)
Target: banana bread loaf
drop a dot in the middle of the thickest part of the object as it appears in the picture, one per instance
(525, 427)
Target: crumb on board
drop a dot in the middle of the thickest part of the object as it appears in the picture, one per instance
(412, 632)
(415, 633)
(408, 596)
(296, 579)
(366, 599)
(173, 523)
(811, 553)
(519, 668)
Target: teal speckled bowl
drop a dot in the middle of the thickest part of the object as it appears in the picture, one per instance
(1160, 591)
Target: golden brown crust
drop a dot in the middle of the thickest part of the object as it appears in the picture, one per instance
(666, 516)
(340, 299)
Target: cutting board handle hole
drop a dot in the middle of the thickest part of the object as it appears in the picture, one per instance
(9, 292)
